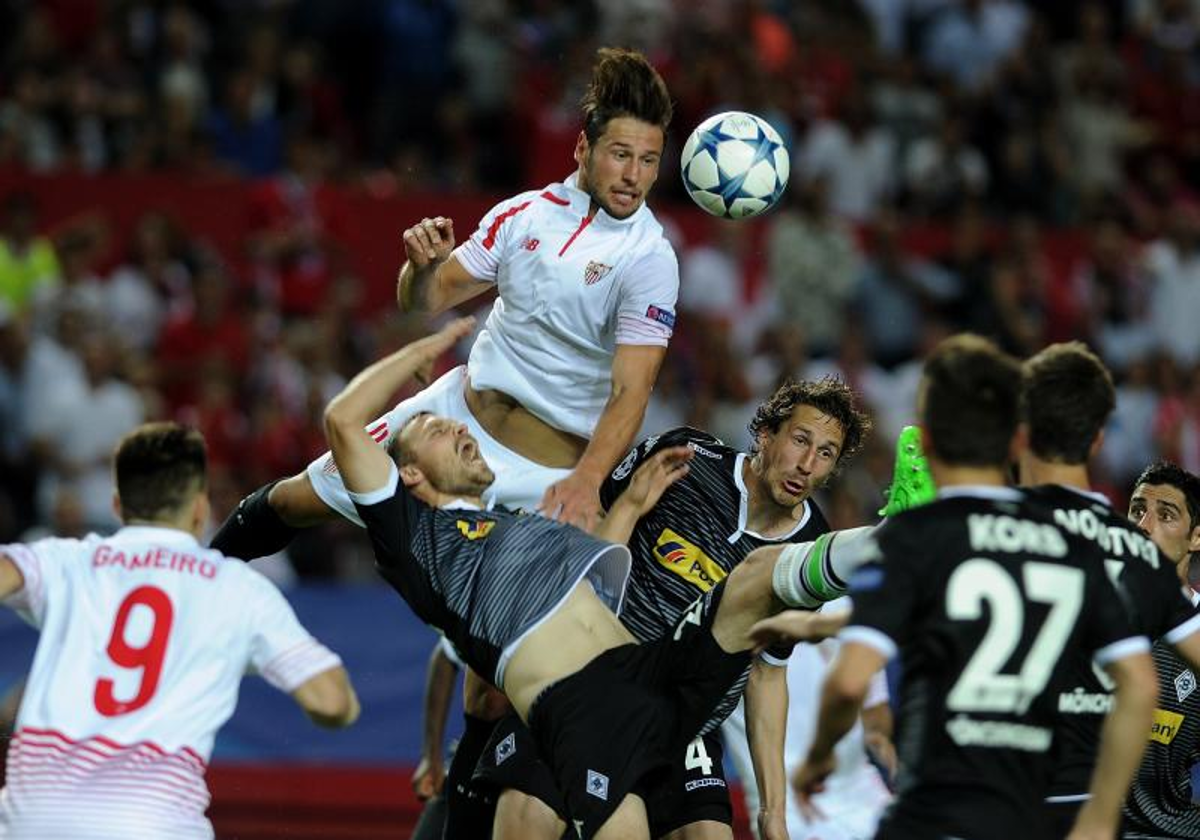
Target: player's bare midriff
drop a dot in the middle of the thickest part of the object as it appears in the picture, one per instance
(518, 429)
(577, 632)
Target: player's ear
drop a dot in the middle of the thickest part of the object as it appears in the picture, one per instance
(1194, 541)
(411, 475)
(1094, 449)
(201, 510)
(1019, 444)
(116, 506)
(581, 147)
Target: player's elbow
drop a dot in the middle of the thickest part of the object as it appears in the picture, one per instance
(845, 689)
(339, 420)
(329, 699)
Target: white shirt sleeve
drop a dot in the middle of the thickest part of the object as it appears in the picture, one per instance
(43, 576)
(481, 254)
(649, 291)
(280, 648)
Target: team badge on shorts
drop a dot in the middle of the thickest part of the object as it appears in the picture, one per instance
(597, 785)
(506, 748)
(1185, 684)
(595, 272)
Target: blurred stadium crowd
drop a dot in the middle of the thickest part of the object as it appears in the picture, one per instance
(1030, 171)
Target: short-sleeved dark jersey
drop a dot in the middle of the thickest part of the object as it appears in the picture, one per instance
(485, 578)
(981, 595)
(694, 537)
(1159, 804)
(1153, 597)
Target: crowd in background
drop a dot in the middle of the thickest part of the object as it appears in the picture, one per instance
(994, 123)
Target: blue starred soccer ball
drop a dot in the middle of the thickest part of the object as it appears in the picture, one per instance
(735, 165)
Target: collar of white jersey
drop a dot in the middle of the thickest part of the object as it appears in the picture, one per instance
(155, 534)
(744, 509)
(463, 504)
(581, 203)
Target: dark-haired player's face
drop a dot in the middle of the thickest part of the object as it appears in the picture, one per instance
(799, 457)
(619, 169)
(448, 455)
(1161, 511)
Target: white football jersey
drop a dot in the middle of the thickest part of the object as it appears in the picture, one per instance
(145, 637)
(571, 288)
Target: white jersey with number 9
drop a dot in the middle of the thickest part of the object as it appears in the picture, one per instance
(145, 637)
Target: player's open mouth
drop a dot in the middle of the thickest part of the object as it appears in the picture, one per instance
(624, 197)
(794, 487)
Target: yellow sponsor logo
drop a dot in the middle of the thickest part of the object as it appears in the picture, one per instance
(1165, 727)
(688, 561)
(475, 530)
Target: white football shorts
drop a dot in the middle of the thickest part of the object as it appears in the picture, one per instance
(520, 483)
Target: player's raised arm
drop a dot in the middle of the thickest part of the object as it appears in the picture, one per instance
(365, 466)
(649, 482)
(432, 279)
(11, 579)
(328, 699)
(576, 498)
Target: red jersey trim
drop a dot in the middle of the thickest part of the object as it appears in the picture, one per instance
(490, 239)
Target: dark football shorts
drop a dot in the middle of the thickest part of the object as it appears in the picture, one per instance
(618, 725)
(693, 790)
(511, 762)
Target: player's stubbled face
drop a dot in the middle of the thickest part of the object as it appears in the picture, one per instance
(1161, 511)
(622, 165)
(448, 455)
(798, 458)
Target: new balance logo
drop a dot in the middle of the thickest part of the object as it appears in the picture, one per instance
(530, 244)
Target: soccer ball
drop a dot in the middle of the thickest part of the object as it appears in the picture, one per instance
(734, 165)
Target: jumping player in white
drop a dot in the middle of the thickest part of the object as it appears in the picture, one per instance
(145, 636)
(558, 380)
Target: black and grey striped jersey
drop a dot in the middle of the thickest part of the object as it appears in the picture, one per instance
(1159, 804)
(981, 595)
(485, 578)
(694, 537)
(1150, 591)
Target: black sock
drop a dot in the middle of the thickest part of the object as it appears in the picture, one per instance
(254, 529)
(469, 810)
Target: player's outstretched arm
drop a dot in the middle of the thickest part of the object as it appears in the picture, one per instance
(842, 696)
(364, 466)
(1122, 742)
(576, 498)
(431, 279)
(646, 487)
(11, 579)
(328, 698)
(798, 626)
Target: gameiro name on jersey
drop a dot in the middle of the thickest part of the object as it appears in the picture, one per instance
(981, 595)
(145, 637)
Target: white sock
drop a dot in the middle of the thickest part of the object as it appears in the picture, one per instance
(807, 575)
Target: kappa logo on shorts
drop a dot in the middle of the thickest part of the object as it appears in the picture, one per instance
(476, 530)
(597, 785)
(506, 748)
(1185, 684)
(595, 272)
(687, 560)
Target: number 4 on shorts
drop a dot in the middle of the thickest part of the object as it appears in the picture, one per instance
(697, 757)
